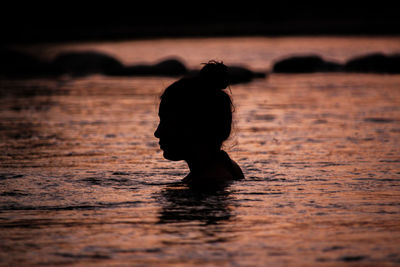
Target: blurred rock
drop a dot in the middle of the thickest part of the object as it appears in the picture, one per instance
(305, 64)
(239, 74)
(169, 67)
(18, 64)
(86, 63)
(374, 63)
(78, 64)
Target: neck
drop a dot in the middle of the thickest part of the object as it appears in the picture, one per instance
(203, 159)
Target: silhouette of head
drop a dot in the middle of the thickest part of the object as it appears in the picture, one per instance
(195, 113)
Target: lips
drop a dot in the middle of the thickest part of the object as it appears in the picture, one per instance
(162, 145)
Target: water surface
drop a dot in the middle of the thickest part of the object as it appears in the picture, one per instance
(82, 180)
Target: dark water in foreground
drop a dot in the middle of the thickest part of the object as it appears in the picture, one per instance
(82, 180)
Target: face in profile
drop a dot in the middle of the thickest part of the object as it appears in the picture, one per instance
(174, 136)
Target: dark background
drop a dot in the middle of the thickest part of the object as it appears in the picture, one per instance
(74, 21)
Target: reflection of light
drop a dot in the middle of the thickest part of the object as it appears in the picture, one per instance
(82, 180)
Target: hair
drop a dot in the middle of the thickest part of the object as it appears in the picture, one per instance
(202, 102)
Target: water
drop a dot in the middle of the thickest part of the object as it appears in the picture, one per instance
(83, 182)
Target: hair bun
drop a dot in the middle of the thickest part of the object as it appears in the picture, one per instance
(215, 75)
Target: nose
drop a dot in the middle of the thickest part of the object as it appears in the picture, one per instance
(157, 132)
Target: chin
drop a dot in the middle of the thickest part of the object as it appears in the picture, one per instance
(172, 156)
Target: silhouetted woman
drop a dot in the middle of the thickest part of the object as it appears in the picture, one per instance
(195, 119)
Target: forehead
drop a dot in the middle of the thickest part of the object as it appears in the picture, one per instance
(169, 109)
(181, 103)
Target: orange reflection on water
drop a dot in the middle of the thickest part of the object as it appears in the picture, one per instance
(83, 180)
